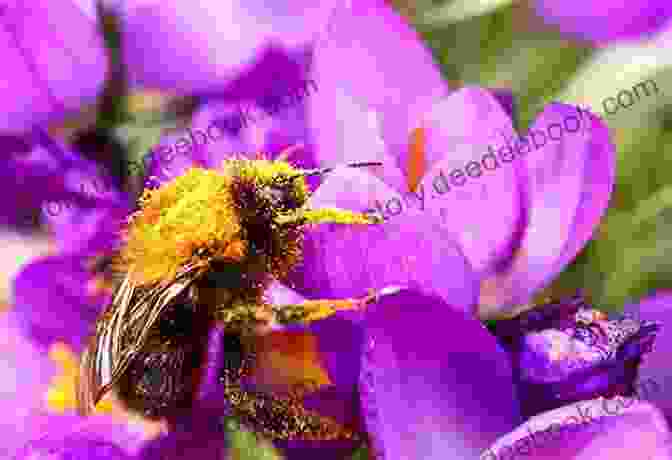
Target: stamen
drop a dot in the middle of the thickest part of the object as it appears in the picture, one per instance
(417, 161)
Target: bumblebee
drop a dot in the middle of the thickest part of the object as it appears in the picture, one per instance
(200, 251)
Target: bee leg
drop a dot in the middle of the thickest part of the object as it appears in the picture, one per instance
(313, 310)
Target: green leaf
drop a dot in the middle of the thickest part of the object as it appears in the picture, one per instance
(245, 445)
(635, 252)
(361, 454)
(456, 10)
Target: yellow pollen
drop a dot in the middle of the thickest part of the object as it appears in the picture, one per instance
(336, 216)
(61, 394)
(192, 212)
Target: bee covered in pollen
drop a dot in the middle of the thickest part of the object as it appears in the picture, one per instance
(201, 251)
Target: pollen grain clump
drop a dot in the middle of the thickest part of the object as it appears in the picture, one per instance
(190, 213)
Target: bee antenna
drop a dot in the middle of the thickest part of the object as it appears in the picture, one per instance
(321, 171)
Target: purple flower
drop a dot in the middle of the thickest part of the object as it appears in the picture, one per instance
(519, 235)
(50, 172)
(102, 437)
(428, 374)
(84, 212)
(605, 21)
(172, 46)
(564, 352)
(519, 224)
(55, 67)
(72, 436)
(370, 114)
(22, 366)
(36, 390)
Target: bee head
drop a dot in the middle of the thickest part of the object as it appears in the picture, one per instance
(265, 189)
(271, 198)
(250, 213)
(275, 193)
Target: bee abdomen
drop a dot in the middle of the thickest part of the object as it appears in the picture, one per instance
(159, 382)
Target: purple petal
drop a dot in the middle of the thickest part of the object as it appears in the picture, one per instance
(163, 163)
(247, 128)
(73, 437)
(221, 130)
(507, 100)
(567, 186)
(607, 20)
(89, 222)
(198, 434)
(52, 304)
(474, 192)
(309, 450)
(31, 172)
(72, 191)
(348, 260)
(428, 392)
(655, 373)
(55, 68)
(165, 38)
(23, 367)
(373, 39)
(357, 136)
(85, 231)
(617, 429)
(211, 390)
(339, 342)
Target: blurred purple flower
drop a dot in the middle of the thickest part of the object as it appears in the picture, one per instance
(564, 352)
(43, 47)
(21, 366)
(605, 21)
(36, 163)
(101, 437)
(34, 393)
(84, 228)
(217, 42)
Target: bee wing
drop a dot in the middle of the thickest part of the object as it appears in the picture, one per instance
(98, 358)
(121, 332)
